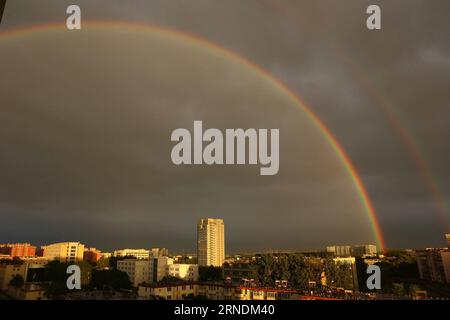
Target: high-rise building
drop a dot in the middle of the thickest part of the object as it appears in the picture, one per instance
(64, 251)
(210, 242)
(447, 237)
(18, 250)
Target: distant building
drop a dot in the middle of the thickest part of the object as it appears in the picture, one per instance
(340, 251)
(187, 272)
(92, 255)
(239, 271)
(447, 237)
(138, 270)
(355, 251)
(364, 250)
(210, 242)
(106, 255)
(159, 252)
(434, 264)
(64, 251)
(167, 292)
(136, 253)
(18, 250)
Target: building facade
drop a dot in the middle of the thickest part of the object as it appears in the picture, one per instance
(138, 270)
(213, 292)
(92, 255)
(434, 264)
(64, 251)
(187, 272)
(159, 252)
(136, 253)
(158, 268)
(19, 250)
(210, 242)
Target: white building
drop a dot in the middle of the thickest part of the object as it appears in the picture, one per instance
(137, 253)
(340, 251)
(64, 251)
(188, 272)
(138, 270)
(211, 242)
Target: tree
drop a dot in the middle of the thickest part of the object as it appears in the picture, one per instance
(412, 290)
(210, 273)
(110, 279)
(398, 289)
(104, 263)
(17, 281)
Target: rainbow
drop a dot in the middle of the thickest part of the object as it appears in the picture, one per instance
(325, 132)
(391, 115)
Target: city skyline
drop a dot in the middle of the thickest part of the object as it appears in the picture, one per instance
(87, 157)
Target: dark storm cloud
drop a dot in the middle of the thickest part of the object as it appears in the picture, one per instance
(308, 45)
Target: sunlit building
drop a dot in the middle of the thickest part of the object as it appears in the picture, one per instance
(92, 255)
(64, 251)
(138, 270)
(136, 253)
(187, 272)
(210, 242)
(18, 250)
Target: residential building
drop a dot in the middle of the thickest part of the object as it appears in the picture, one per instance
(212, 291)
(64, 251)
(92, 255)
(168, 291)
(159, 252)
(9, 271)
(19, 250)
(136, 253)
(187, 272)
(138, 270)
(364, 250)
(340, 251)
(434, 264)
(210, 242)
(158, 268)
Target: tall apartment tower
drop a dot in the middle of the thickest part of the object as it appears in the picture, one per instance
(210, 242)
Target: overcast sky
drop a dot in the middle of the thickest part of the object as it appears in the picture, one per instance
(86, 117)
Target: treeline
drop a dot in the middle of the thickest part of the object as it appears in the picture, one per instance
(55, 277)
(299, 270)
